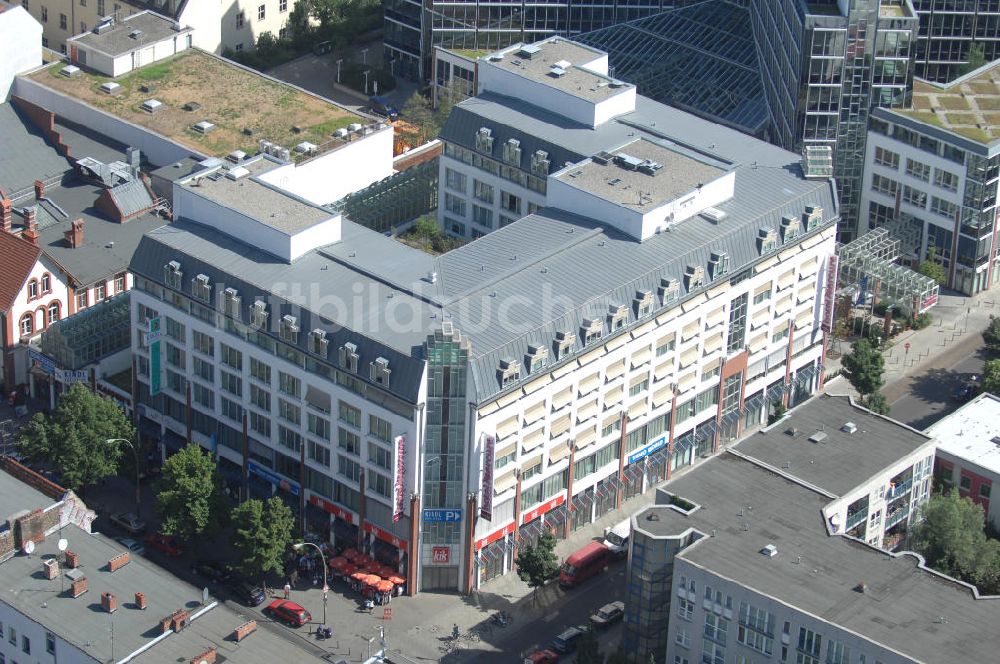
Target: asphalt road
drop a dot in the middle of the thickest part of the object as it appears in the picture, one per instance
(925, 398)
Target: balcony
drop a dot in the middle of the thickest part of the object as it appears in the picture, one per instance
(897, 489)
(856, 518)
(899, 515)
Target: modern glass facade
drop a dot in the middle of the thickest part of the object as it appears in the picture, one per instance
(948, 31)
(443, 483)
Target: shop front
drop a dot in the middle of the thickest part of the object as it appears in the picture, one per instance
(633, 479)
(583, 506)
(341, 523)
(605, 494)
(495, 554)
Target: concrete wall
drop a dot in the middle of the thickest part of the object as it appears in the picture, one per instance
(20, 47)
(206, 19)
(158, 149)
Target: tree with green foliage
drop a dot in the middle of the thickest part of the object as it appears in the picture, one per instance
(976, 59)
(864, 366)
(537, 564)
(189, 494)
(876, 402)
(263, 533)
(931, 266)
(778, 411)
(418, 112)
(588, 649)
(950, 534)
(991, 377)
(991, 335)
(73, 440)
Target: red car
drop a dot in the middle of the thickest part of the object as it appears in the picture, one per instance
(289, 612)
(165, 544)
(542, 657)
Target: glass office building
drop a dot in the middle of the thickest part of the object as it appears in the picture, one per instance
(948, 31)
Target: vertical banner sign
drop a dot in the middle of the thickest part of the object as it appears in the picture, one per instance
(397, 512)
(830, 295)
(153, 338)
(489, 450)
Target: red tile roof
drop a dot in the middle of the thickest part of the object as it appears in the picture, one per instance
(17, 258)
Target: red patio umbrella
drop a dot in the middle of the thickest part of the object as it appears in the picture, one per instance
(396, 579)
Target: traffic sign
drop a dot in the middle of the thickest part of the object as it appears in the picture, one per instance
(387, 613)
(446, 515)
(907, 346)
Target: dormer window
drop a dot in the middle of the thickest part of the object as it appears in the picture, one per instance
(318, 342)
(617, 316)
(348, 357)
(379, 371)
(563, 344)
(289, 329)
(812, 217)
(694, 277)
(790, 227)
(484, 140)
(643, 303)
(767, 240)
(172, 274)
(719, 264)
(537, 357)
(592, 330)
(258, 315)
(509, 372)
(670, 290)
(231, 303)
(200, 287)
(512, 151)
(540, 163)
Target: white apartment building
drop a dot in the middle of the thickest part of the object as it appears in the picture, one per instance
(537, 377)
(931, 177)
(21, 48)
(114, 48)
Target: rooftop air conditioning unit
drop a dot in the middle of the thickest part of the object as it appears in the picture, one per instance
(237, 173)
(715, 215)
(849, 427)
(354, 126)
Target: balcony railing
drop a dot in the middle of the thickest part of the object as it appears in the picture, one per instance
(895, 517)
(856, 518)
(899, 489)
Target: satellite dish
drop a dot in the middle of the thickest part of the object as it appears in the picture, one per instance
(29, 547)
(63, 544)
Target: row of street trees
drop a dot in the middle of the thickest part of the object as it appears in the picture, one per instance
(75, 442)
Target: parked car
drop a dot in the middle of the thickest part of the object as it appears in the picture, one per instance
(213, 571)
(323, 47)
(567, 640)
(133, 546)
(967, 389)
(584, 563)
(289, 612)
(382, 106)
(129, 522)
(168, 545)
(246, 592)
(608, 614)
(542, 657)
(616, 538)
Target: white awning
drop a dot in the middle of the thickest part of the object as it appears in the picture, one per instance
(718, 290)
(561, 426)
(534, 413)
(615, 370)
(765, 265)
(642, 329)
(561, 371)
(508, 427)
(591, 356)
(663, 370)
(803, 319)
(788, 253)
(531, 463)
(809, 268)
(640, 357)
(779, 328)
(586, 437)
(713, 343)
(763, 288)
(559, 452)
(504, 451)
(637, 410)
(758, 343)
(786, 280)
(717, 317)
(614, 396)
(689, 357)
(609, 421)
(690, 330)
(586, 411)
(589, 384)
(635, 380)
(562, 398)
(662, 396)
(533, 440)
(806, 293)
(783, 305)
(760, 318)
(711, 366)
(537, 384)
(505, 482)
(687, 382)
(617, 342)
(693, 303)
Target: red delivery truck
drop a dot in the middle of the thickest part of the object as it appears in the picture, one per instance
(583, 564)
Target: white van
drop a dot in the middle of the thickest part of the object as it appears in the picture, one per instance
(616, 537)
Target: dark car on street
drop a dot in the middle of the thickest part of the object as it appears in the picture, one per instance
(213, 571)
(247, 593)
(382, 106)
(967, 389)
(289, 612)
(542, 657)
(168, 545)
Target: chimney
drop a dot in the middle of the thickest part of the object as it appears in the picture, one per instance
(39, 189)
(5, 215)
(119, 561)
(74, 236)
(72, 560)
(140, 600)
(30, 232)
(51, 568)
(78, 588)
(108, 602)
(207, 657)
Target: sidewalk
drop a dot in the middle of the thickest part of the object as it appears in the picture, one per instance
(958, 322)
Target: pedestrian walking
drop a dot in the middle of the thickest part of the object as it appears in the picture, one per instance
(288, 590)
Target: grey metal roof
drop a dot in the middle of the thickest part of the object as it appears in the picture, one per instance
(131, 197)
(118, 39)
(25, 154)
(842, 461)
(903, 604)
(319, 291)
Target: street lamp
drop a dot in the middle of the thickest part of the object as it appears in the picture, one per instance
(135, 450)
(326, 588)
(366, 80)
(339, 62)
(364, 56)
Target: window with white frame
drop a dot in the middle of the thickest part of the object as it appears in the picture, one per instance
(563, 344)
(289, 330)
(318, 342)
(379, 372)
(201, 288)
(537, 357)
(509, 372)
(512, 151)
(670, 290)
(540, 163)
(172, 274)
(484, 140)
(231, 303)
(348, 357)
(719, 264)
(790, 228)
(617, 316)
(694, 277)
(643, 303)
(259, 314)
(945, 179)
(592, 331)
(886, 158)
